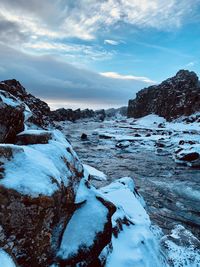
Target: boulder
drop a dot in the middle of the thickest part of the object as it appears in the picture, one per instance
(37, 197)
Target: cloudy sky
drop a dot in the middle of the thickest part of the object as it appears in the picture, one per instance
(96, 53)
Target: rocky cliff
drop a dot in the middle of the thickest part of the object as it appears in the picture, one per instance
(174, 97)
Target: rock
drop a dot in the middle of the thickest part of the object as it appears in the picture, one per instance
(188, 155)
(137, 135)
(11, 117)
(123, 144)
(91, 238)
(175, 97)
(40, 110)
(32, 137)
(63, 114)
(39, 200)
(84, 136)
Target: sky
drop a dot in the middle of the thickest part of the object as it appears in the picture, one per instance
(96, 53)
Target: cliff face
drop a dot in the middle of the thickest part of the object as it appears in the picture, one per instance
(174, 97)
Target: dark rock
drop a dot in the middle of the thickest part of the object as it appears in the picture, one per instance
(137, 135)
(40, 110)
(11, 117)
(123, 144)
(31, 138)
(175, 97)
(190, 156)
(84, 136)
(63, 114)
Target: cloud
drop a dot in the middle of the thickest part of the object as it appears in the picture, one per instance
(111, 42)
(115, 75)
(55, 80)
(84, 19)
(191, 64)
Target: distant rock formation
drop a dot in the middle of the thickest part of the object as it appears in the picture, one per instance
(174, 97)
(63, 114)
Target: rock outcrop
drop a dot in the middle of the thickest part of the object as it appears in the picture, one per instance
(11, 117)
(175, 97)
(40, 110)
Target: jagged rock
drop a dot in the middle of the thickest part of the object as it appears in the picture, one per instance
(40, 110)
(11, 117)
(174, 97)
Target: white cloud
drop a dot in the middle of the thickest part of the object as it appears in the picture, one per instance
(83, 19)
(115, 75)
(111, 42)
(191, 64)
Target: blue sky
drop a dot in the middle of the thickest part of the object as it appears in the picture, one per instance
(95, 54)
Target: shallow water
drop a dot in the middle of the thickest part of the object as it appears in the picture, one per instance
(171, 191)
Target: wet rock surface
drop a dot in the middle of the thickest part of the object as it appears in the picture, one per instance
(170, 190)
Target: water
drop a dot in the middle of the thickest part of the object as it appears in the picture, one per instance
(171, 191)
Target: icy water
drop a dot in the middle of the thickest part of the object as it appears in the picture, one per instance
(171, 191)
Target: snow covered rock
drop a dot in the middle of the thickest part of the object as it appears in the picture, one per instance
(133, 243)
(181, 247)
(40, 110)
(37, 197)
(89, 229)
(11, 117)
(188, 154)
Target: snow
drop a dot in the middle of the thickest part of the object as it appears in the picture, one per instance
(8, 99)
(87, 221)
(184, 253)
(135, 244)
(95, 173)
(151, 120)
(40, 169)
(6, 260)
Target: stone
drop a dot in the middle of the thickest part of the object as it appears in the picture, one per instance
(175, 97)
(11, 117)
